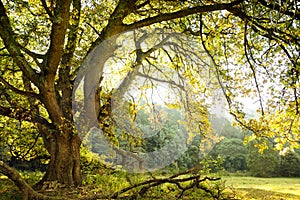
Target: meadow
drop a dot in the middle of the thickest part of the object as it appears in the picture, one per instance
(264, 188)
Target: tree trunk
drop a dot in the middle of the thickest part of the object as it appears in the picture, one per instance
(64, 166)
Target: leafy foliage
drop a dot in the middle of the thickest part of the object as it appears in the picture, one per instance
(233, 152)
(289, 164)
(257, 161)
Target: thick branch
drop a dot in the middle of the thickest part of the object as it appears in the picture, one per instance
(27, 190)
(115, 24)
(182, 13)
(159, 181)
(8, 36)
(22, 114)
(73, 32)
(16, 90)
(64, 83)
(138, 63)
(57, 40)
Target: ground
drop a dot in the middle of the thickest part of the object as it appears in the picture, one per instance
(265, 188)
(245, 188)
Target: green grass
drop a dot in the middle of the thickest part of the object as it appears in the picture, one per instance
(245, 188)
(265, 188)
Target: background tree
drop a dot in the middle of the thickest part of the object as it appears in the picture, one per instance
(257, 161)
(233, 153)
(289, 164)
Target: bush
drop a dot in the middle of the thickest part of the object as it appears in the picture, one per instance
(92, 163)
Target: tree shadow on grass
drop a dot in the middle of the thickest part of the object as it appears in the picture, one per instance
(253, 193)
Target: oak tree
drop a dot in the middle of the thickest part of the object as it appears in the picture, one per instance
(253, 47)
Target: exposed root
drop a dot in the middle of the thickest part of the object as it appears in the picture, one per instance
(27, 190)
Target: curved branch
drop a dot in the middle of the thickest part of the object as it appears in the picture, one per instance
(115, 23)
(48, 11)
(275, 6)
(57, 40)
(171, 82)
(141, 55)
(159, 181)
(215, 65)
(26, 189)
(116, 26)
(31, 53)
(22, 114)
(269, 32)
(8, 36)
(182, 13)
(64, 83)
(18, 91)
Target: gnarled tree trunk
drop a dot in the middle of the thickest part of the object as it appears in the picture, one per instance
(64, 166)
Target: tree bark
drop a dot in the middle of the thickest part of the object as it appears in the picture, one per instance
(64, 166)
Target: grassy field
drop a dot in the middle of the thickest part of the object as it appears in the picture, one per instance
(265, 188)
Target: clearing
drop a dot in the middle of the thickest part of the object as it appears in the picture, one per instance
(265, 188)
